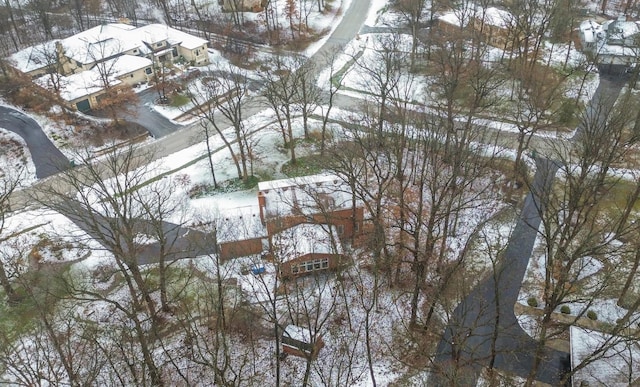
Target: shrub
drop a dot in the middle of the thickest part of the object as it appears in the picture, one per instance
(565, 309)
(592, 315)
(532, 301)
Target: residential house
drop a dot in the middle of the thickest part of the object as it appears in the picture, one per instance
(242, 5)
(306, 248)
(615, 44)
(452, 22)
(300, 223)
(491, 24)
(321, 199)
(240, 233)
(111, 55)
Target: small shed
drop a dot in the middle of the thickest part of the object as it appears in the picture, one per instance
(298, 341)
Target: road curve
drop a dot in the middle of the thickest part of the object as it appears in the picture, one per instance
(352, 21)
(47, 159)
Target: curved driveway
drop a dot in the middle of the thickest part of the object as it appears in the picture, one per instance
(488, 310)
(487, 313)
(47, 159)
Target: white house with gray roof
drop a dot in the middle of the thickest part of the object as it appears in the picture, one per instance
(614, 42)
(116, 54)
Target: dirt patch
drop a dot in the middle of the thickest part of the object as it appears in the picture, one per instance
(101, 134)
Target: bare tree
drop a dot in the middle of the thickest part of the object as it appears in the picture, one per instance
(334, 87)
(12, 29)
(281, 95)
(108, 201)
(227, 96)
(42, 10)
(9, 183)
(116, 98)
(574, 225)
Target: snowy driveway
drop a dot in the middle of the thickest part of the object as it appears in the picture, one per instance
(487, 313)
(47, 159)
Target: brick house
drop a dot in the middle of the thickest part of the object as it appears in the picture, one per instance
(300, 223)
(240, 233)
(307, 248)
(242, 5)
(491, 24)
(320, 199)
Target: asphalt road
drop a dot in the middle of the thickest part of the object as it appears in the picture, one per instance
(47, 159)
(349, 27)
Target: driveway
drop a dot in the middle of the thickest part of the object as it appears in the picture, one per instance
(142, 114)
(47, 159)
(488, 309)
(180, 242)
(487, 314)
(157, 124)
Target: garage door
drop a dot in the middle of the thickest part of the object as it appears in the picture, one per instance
(83, 105)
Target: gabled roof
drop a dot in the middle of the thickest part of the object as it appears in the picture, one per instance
(78, 85)
(85, 83)
(125, 64)
(620, 28)
(154, 33)
(590, 30)
(109, 40)
(494, 16)
(99, 43)
(297, 333)
(34, 57)
(613, 38)
(490, 16)
(307, 195)
(305, 239)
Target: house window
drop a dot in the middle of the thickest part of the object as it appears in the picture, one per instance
(135, 50)
(147, 71)
(357, 227)
(197, 52)
(174, 52)
(329, 202)
(340, 229)
(159, 44)
(131, 75)
(309, 266)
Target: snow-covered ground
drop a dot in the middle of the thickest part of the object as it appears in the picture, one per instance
(589, 272)
(391, 308)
